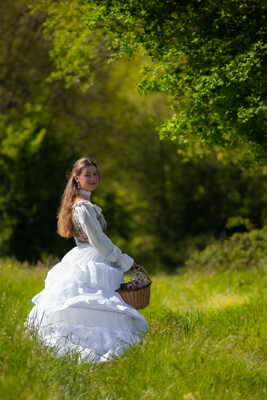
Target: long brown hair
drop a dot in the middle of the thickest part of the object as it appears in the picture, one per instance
(64, 221)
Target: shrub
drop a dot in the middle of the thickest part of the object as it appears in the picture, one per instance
(241, 250)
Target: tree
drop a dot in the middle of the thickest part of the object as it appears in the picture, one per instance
(33, 154)
(158, 208)
(210, 57)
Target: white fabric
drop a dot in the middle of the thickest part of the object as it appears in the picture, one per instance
(78, 309)
(87, 218)
(85, 192)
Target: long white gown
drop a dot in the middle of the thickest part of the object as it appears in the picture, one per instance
(78, 309)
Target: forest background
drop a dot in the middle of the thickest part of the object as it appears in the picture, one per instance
(176, 126)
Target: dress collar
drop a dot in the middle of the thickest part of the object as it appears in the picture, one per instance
(85, 192)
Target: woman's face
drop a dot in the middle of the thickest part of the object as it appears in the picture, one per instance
(88, 179)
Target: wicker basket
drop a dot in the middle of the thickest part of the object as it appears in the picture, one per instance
(138, 298)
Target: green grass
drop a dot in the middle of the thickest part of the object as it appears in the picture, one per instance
(206, 341)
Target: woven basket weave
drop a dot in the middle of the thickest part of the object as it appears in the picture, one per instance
(138, 298)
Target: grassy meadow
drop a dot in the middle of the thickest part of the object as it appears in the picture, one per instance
(206, 341)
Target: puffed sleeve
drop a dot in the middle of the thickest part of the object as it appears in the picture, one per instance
(97, 238)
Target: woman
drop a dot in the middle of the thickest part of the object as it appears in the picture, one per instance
(79, 309)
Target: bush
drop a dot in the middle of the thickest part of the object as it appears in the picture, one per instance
(242, 250)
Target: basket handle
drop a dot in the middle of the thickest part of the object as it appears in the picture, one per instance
(137, 266)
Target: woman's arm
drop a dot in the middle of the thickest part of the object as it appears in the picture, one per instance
(98, 239)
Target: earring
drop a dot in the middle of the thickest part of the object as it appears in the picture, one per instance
(78, 184)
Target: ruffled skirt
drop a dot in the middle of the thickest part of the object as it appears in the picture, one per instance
(79, 310)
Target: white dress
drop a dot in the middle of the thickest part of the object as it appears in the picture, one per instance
(79, 310)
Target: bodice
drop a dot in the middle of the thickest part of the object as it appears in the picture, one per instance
(78, 232)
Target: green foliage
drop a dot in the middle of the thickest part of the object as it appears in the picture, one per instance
(233, 222)
(188, 205)
(28, 156)
(209, 57)
(161, 200)
(76, 54)
(33, 154)
(206, 340)
(26, 135)
(246, 250)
